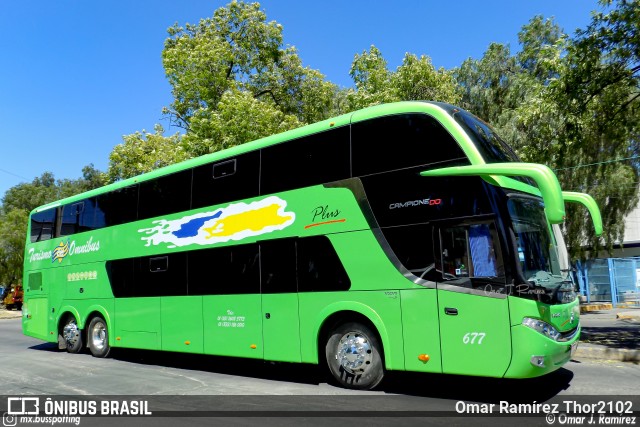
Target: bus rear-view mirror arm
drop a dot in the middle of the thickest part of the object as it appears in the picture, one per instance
(544, 178)
(591, 206)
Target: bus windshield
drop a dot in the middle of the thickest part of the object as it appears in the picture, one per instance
(537, 253)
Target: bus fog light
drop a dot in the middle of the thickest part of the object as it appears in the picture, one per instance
(538, 361)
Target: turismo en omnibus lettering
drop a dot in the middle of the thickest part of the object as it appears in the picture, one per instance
(308, 234)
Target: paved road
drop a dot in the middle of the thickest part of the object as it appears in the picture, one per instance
(39, 368)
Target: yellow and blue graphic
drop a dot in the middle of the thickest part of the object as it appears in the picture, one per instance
(234, 222)
(60, 252)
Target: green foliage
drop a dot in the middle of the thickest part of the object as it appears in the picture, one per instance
(571, 104)
(142, 152)
(415, 79)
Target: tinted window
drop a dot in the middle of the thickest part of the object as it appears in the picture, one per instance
(166, 195)
(121, 277)
(226, 181)
(119, 206)
(161, 275)
(319, 267)
(228, 270)
(278, 266)
(71, 218)
(43, 225)
(400, 141)
(315, 159)
(470, 256)
(92, 216)
(405, 197)
(413, 245)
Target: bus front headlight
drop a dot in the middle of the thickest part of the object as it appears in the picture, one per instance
(543, 327)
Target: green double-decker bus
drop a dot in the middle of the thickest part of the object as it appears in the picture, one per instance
(405, 236)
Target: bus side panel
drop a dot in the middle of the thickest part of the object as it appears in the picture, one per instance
(475, 334)
(233, 325)
(35, 316)
(420, 330)
(137, 323)
(182, 324)
(35, 310)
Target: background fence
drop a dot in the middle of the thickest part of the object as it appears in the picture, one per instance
(612, 280)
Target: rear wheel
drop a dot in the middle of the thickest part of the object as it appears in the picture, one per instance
(72, 335)
(354, 356)
(98, 337)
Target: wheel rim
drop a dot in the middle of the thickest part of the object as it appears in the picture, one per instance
(71, 333)
(354, 353)
(99, 336)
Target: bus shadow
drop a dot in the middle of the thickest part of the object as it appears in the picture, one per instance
(478, 389)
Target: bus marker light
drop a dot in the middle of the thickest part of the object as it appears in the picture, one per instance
(253, 346)
(424, 358)
(117, 338)
(187, 342)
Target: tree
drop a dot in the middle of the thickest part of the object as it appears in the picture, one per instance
(570, 104)
(415, 79)
(142, 152)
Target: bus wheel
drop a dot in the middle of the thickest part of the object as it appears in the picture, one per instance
(72, 335)
(354, 357)
(98, 337)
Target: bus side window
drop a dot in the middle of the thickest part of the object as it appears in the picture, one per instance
(71, 218)
(278, 266)
(319, 267)
(230, 270)
(43, 225)
(165, 195)
(119, 206)
(471, 255)
(400, 141)
(413, 246)
(226, 181)
(315, 159)
(161, 275)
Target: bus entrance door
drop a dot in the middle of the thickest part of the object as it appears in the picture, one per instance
(280, 319)
(472, 306)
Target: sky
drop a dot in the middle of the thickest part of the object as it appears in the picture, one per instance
(75, 76)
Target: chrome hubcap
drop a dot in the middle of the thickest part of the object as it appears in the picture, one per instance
(354, 353)
(71, 333)
(99, 336)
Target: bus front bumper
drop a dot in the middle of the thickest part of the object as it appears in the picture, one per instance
(534, 354)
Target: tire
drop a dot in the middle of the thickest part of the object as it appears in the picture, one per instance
(72, 335)
(354, 356)
(98, 337)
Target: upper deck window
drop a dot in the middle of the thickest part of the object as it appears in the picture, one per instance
(43, 225)
(400, 141)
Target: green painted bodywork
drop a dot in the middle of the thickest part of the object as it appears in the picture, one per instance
(409, 318)
(591, 206)
(541, 174)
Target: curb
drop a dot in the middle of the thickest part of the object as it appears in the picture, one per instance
(6, 314)
(599, 352)
(586, 308)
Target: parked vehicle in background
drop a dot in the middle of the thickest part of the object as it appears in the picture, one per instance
(14, 297)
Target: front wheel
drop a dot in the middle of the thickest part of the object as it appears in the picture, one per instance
(98, 337)
(72, 336)
(354, 356)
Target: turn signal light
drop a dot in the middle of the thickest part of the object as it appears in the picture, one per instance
(253, 346)
(424, 358)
